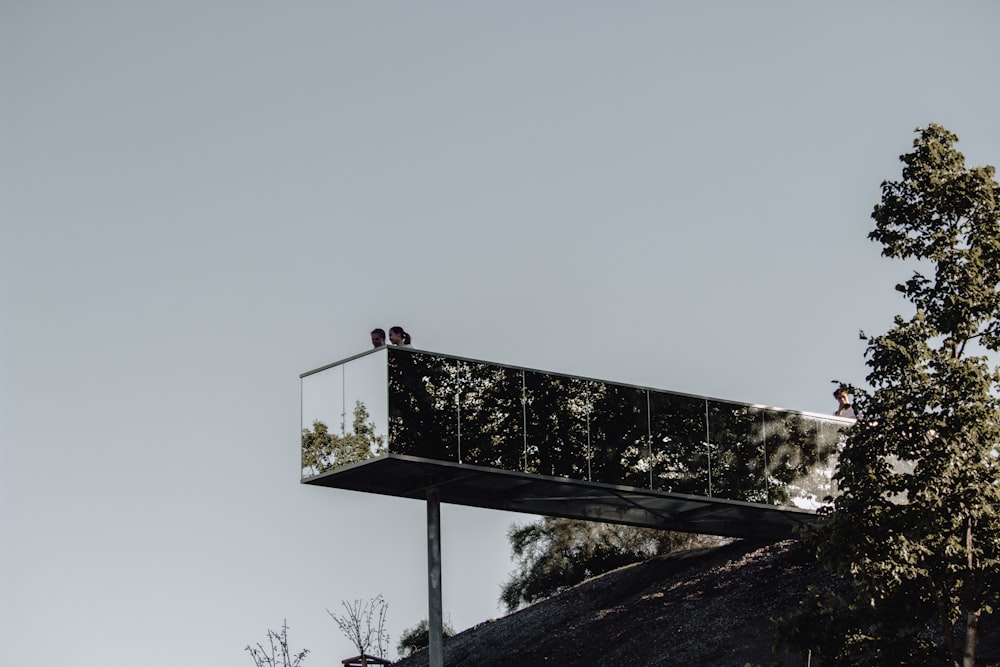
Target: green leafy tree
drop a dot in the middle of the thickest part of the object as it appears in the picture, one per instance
(277, 653)
(322, 450)
(417, 638)
(554, 554)
(914, 533)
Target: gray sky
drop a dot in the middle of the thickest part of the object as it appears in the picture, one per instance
(200, 200)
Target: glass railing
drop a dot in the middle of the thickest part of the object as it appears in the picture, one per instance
(443, 408)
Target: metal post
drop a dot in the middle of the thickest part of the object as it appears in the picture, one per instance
(524, 419)
(434, 616)
(708, 449)
(649, 439)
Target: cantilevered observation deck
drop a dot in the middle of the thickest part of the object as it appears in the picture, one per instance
(404, 422)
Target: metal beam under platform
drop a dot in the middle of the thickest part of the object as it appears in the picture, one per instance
(474, 486)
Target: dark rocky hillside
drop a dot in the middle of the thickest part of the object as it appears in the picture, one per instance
(705, 607)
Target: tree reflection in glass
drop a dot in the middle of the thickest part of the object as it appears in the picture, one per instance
(802, 453)
(423, 411)
(619, 435)
(556, 413)
(678, 457)
(491, 417)
(736, 435)
(323, 451)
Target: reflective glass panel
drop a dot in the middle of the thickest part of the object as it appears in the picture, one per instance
(398, 401)
(491, 416)
(802, 451)
(423, 409)
(736, 451)
(556, 413)
(811, 489)
(322, 415)
(367, 402)
(619, 435)
(349, 422)
(678, 459)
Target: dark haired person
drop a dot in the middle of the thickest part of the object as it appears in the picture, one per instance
(844, 407)
(378, 337)
(397, 336)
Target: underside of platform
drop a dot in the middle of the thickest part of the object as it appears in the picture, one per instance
(462, 484)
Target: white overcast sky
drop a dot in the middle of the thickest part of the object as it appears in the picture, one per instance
(201, 200)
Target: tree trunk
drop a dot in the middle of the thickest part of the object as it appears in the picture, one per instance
(972, 619)
(971, 639)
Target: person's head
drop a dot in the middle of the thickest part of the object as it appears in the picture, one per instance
(842, 396)
(399, 337)
(378, 337)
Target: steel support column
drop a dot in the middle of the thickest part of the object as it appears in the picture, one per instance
(434, 614)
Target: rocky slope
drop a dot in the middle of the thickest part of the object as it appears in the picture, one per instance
(706, 607)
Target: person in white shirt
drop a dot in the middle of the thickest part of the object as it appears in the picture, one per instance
(397, 336)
